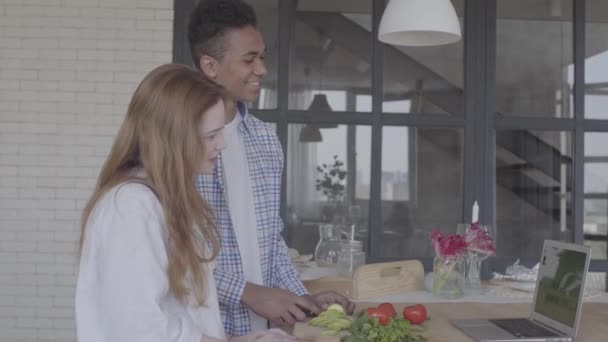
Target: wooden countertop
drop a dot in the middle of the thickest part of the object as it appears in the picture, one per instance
(593, 325)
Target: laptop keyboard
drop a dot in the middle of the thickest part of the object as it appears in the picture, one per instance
(523, 328)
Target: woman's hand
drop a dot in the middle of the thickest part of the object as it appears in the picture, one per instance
(272, 335)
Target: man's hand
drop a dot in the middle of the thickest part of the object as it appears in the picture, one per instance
(279, 306)
(325, 298)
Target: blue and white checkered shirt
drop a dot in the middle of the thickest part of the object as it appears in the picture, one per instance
(265, 160)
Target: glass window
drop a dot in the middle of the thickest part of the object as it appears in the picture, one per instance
(533, 190)
(331, 55)
(596, 59)
(596, 280)
(328, 180)
(534, 57)
(425, 79)
(268, 23)
(596, 214)
(422, 172)
(596, 194)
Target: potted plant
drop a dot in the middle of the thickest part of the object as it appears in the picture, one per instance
(331, 181)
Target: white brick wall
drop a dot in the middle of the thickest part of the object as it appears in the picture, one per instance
(67, 71)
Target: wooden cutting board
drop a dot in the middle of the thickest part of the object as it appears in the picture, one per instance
(304, 332)
(387, 278)
(343, 286)
(374, 280)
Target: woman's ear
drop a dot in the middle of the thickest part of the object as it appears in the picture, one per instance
(208, 66)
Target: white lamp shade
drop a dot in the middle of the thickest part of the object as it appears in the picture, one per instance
(419, 23)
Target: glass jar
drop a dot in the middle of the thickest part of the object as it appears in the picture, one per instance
(328, 247)
(351, 256)
(448, 277)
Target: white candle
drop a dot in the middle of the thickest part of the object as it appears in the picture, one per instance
(475, 217)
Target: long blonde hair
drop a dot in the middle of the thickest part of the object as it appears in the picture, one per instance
(160, 136)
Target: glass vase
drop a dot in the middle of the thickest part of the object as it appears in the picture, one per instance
(448, 277)
(472, 280)
(474, 259)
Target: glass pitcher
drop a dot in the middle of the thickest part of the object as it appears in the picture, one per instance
(328, 247)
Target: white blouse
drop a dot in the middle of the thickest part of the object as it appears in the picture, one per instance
(122, 294)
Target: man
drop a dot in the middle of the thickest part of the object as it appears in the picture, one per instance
(256, 280)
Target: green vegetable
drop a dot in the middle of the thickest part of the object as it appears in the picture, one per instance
(336, 307)
(365, 329)
(334, 319)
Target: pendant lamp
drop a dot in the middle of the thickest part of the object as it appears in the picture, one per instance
(419, 23)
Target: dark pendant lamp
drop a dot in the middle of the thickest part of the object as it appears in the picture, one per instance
(319, 104)
(310, 133)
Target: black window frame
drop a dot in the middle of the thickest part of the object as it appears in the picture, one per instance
(479, 123)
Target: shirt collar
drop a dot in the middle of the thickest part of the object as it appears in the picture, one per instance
(244, 113)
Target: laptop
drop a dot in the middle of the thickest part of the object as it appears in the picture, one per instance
(558, 300)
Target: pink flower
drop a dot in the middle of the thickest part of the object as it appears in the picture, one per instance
(448, 247)
(478, 240)
(435, 237)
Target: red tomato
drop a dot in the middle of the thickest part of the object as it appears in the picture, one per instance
(378, 314)
(388, 309)
(416, 314)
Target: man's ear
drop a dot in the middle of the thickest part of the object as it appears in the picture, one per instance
(208, 66)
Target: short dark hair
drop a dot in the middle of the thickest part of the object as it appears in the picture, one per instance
(211, 20)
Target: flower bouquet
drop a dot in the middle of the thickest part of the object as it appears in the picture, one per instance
(448, 265)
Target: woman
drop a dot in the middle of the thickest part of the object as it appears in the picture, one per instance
(148, 239)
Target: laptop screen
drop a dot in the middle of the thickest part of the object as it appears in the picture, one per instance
(561, 275)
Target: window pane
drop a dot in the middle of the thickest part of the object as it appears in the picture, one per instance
(533, 58)
(339, 201)
(596, 194)
(421, 187)
(330, 55)
(425, 79)
(596, 62)
(533, 190)
(596, 211)
(596, 280)
(268, 23)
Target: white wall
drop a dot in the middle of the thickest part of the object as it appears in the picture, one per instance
(67, 71)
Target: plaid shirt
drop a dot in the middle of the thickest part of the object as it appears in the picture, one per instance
(265, 160)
